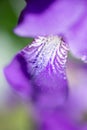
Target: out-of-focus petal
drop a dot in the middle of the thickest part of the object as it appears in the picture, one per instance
(84, 127)
(17, 76)
(77, 39)
(77, 100)
(45, 17)
(58, 120)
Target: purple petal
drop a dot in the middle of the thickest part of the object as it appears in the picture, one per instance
(77, 76)
(77, 38)
(45, 17)
(57, 121)
(45, 68)
(84, 127)
(46, 58)
(17, 76)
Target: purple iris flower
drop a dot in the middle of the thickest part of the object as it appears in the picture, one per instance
(38, 72)
(56, 17)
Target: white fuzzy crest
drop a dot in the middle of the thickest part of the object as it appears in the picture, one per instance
(50, 50)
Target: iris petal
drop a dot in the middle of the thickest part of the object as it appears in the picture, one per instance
(46, 60)
(45, 17)
(77, 38)
(17, 76)
(38, 71)
(58, 120)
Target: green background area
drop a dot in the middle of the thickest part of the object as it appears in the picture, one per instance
(15, 118)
